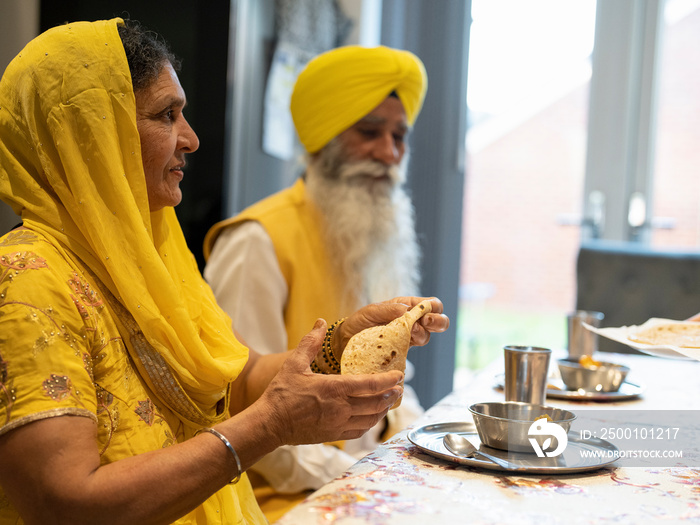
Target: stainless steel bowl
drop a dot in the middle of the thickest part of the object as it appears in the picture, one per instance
(506, 425)
(606, 377)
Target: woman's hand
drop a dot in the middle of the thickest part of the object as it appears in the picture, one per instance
(385, 312)
(304, 407)
(295, 406)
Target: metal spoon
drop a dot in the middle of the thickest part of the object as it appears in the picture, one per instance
(461, 446)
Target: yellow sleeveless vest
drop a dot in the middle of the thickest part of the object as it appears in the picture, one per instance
(294, 225)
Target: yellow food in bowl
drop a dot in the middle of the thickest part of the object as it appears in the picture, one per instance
(589, 362)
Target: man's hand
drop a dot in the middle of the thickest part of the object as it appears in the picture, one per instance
(385, 312)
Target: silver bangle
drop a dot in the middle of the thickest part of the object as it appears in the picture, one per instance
(229, 446)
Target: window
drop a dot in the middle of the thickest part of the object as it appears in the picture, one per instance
(527, 94)
(627, 138)
(676, 207)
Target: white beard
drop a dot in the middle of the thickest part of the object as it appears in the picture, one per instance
(369, 226)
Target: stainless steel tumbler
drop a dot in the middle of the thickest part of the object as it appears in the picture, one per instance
(527, 368)
(582, 341)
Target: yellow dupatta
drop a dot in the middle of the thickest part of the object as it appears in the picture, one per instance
(70, 165)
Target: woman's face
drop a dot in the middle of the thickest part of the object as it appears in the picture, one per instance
(165, 138)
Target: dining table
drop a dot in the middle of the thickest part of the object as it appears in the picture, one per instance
(412, 479)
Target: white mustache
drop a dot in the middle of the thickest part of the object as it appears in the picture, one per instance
(369, 168)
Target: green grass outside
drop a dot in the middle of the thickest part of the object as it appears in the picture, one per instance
(483, 331)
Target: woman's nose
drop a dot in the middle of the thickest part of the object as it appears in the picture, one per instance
(188, 138)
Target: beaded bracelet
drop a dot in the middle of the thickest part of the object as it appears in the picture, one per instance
(327, 351)
(328, 355)
(229, 446)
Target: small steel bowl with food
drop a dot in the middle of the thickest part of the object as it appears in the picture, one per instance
(509, 425)
(589, 375)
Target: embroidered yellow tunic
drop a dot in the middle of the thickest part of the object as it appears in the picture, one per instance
(61, 353)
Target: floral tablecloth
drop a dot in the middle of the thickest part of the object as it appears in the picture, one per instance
(400, 484)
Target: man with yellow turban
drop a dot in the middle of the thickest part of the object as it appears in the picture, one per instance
(343, 235)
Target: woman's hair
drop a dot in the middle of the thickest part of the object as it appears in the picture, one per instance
(146, 53)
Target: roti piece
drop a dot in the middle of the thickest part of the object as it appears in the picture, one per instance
(382, 348)
(684, 335)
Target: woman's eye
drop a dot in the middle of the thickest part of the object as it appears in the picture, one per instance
(167, 114)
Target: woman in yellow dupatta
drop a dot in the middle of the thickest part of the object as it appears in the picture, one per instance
(124, 394)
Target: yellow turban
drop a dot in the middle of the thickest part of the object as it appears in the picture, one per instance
(339, 87)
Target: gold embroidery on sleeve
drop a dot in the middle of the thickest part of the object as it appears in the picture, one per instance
(86, 300)
(20, 261)
(88, 364)
(59, 388)
(106, 405)
(56, 412)
(18, 237)
(169, 439)
(146, 411)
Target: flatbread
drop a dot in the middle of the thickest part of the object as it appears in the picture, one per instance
(382, 348)
(684, 335)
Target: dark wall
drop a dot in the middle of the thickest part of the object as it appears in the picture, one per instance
(198, 33)
(437, 171)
